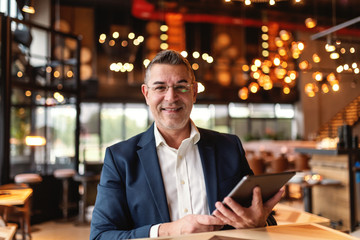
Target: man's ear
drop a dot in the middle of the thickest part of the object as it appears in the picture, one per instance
(145, 92)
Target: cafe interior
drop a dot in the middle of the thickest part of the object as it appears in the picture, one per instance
(282, 75)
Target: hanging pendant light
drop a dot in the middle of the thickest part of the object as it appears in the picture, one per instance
(28, 7)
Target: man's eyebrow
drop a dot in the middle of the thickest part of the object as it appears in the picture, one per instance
(158, 82)
(182, 81)
(161, 82)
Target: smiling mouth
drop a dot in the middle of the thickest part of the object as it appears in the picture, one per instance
(173, 109)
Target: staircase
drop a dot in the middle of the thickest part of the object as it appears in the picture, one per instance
(350, 115)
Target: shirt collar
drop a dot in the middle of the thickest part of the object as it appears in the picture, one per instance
(194, 135)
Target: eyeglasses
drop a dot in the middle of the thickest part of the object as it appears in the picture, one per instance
(178, 88)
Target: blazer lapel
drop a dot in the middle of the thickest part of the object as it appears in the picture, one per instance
(207, 155)
(149, 160)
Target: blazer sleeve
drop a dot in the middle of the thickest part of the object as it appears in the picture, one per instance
(111, 217)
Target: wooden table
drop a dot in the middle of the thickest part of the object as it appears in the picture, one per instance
(305, 231)
(11, 197)
(285, 214)
(15, 197)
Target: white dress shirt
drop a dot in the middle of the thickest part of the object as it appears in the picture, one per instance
(183, 177)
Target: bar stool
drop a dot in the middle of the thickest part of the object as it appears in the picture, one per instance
(65, 175)
(31, 179)
(84, 180)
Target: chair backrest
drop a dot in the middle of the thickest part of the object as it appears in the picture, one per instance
(279, 164)
(257, 164)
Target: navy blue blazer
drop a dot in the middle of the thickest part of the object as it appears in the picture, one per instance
(131, 195)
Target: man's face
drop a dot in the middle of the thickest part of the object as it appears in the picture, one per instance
(171, 108)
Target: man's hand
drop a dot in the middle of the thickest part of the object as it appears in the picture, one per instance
(253, 216)
(191, 224)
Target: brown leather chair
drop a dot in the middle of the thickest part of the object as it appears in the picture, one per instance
(257, 164)
(279, 164)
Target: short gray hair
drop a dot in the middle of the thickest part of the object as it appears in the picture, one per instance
(169, 57)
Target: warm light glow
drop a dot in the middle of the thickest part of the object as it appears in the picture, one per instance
(124, 43)
(184, 54)
(325, 88)
(164, 46)
(316, 58)
(164, 28)
(28, 9)
(279, 42)
(56, 74)
(245, 68)
(329, 47)
(265, 45)
(286, 90)
(254, 87)
(276, 61)
(70, 74)
(146, 62)
(195, 66)
(264, 28)
(28, 93)
(317, 76)
(284, 35)
(287, 79)
(243, 93)
(115, 35)
(301, 46)
(334, 55)
(103, 36)
(335, 87)
(310, 23)
(265, 37)
(352, 50)
(196, 54)
(265, 53)
(304, 65)
(339, 69)
(111, 43)
(257, 63)
(35, 141)
(131, 35)
(19, 74)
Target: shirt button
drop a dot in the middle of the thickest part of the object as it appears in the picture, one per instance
(180, 157)
(182, 182)
(186, 210)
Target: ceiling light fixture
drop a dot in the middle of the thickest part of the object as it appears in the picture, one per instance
(28, 7)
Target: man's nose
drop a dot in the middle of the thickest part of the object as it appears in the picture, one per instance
(170, 93)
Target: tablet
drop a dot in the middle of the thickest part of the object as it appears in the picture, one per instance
(270, 184)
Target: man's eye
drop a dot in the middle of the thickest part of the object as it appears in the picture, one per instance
(160, 88)
(180, 88)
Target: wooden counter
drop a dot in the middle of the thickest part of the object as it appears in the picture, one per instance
(335, 202)
(283, 232)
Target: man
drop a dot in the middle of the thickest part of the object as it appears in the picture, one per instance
(172, 178)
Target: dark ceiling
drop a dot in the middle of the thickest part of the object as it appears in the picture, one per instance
(327, 12)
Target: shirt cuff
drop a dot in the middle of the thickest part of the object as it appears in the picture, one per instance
(154, 231)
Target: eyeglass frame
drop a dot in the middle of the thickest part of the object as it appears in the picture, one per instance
(188, 85)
